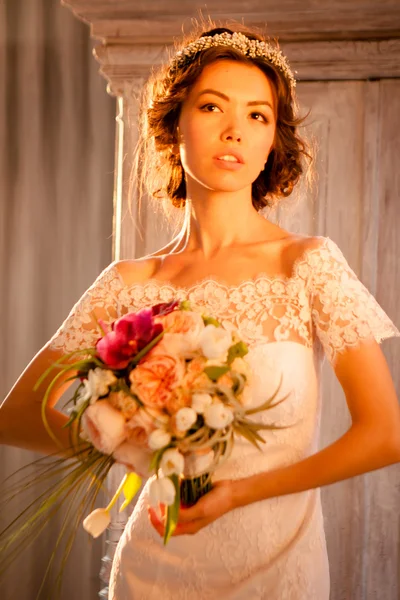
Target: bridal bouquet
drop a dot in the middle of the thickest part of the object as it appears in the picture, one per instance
(163, 392)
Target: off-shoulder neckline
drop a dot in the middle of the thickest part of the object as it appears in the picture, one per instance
(219, 281)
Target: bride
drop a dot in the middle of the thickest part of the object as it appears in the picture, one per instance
(219, 140)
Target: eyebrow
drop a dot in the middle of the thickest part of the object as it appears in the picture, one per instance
(225, 97)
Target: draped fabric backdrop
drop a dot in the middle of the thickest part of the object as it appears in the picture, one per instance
(57, 129)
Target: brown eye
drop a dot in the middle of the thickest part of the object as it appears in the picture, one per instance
(207, 106)
(264, 118)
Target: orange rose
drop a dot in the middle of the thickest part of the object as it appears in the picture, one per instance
(179, 399)
(182, 333)
(181, 321)
(155, 378)
(195, 377)
(124, 403)
(142, 424)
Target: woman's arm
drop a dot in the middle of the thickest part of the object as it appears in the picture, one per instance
(372, 442)
(21, 422)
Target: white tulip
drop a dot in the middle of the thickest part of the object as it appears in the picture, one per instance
(185, 418)
(218, 416)
(215, 341)
(159, 438)
(172, 462)
(200, 402)
(161, 490)
(97, 522)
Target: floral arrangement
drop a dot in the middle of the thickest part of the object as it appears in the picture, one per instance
(163, 392)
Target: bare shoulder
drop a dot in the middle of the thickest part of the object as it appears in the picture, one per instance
(138, 270)
(299, 245)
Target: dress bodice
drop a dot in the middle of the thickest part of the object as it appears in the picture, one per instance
(322, 305)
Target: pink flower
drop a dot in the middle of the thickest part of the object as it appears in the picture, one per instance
(124, 403)
(144, 422)
(104, 426)
(182, 333)
(128, 335)
(164, 308)
(134, 458)
(155, 378)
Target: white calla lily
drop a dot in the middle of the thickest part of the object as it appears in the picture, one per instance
(97, 522)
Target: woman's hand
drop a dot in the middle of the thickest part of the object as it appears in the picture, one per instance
(210, 507)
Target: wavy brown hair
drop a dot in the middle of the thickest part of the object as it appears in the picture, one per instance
(157, 167)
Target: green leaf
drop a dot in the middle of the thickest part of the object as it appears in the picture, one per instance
(71, 419)
(146, 349)
(172, 511)
(185, 305)
(130, 488)
(214, 373)
(210, 321)
(237, 351)
(156, 458)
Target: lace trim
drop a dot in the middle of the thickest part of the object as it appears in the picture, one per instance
(323, 298)
(344, 312)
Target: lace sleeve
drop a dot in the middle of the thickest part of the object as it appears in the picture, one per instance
(80, 329)
(344, 312)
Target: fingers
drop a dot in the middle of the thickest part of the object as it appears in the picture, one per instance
(192, 513)
(187, 528)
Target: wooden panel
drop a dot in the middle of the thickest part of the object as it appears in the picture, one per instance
(160, 20)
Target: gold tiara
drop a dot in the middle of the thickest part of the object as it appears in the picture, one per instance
(239, 41)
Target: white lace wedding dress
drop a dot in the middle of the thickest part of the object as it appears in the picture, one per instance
(274, 549)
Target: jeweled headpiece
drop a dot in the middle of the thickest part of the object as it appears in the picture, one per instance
(239, 41)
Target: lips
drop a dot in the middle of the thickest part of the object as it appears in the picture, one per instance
(234, 153)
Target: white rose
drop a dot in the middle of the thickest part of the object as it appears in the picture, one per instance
(200, 402)
(214, 342)
(158, 439)
(161, 490)
(104, 426)
(185, 418)
(97, 522)
(218, 416)
(172, 462)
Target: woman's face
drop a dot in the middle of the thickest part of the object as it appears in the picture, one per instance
(230, 108)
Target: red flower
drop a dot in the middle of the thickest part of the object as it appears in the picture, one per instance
(128, 335)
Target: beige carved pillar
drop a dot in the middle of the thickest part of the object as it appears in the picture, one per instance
(126, 67)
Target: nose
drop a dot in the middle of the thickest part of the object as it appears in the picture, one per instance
(232, 134)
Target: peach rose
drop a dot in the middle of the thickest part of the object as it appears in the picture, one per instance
(134, 458)
(126, 404)
(104, 426)
(195, 377)
(179, 399)
(155, 378)
(182, 333)
(144, 422)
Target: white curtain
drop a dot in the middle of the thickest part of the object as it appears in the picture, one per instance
(57, 130)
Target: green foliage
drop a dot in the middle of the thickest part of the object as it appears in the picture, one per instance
(214, 373)
(172, 511)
